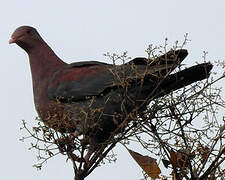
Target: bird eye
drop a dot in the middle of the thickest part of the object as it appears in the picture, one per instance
(28, 31)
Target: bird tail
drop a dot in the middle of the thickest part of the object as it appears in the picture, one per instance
(161, 65)
(183, 78)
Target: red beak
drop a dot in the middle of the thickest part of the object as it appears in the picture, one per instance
(12, 40)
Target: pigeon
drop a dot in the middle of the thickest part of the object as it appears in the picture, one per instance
(93, 98)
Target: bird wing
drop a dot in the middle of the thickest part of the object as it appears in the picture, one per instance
(80, 80)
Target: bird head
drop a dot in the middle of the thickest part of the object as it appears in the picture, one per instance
(26, 37)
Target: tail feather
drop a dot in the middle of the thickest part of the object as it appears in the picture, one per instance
(152, 69)
(183, 78)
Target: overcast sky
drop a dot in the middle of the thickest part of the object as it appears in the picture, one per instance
(84, 30)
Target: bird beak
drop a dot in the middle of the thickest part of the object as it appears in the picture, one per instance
(12, 40)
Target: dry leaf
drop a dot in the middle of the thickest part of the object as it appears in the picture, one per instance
(173, 158)
(147, 163)
(178, 159)
(204, 152)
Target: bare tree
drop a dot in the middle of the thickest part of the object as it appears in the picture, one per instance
(184, 131)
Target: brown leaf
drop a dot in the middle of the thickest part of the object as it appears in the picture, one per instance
(179, 159)
(204, 152)
(147, 163)
(173, 158)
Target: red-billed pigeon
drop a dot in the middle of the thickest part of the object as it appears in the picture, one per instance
(93, 98)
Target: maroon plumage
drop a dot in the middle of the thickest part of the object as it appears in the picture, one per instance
(64, 93)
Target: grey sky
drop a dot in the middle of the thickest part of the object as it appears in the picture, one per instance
(84, 30)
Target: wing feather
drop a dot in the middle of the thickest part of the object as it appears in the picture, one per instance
(80, 80)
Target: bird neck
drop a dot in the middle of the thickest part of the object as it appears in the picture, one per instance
(43, 62)
(44, 57)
